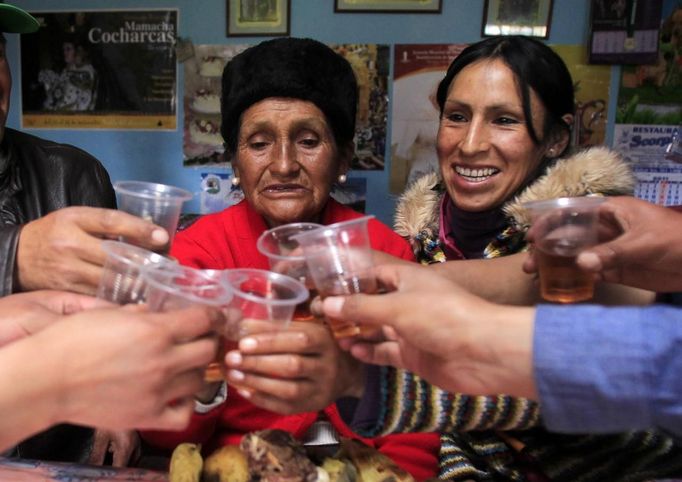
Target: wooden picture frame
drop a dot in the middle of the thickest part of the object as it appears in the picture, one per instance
(388, 6)
(517, 17)
(258, 18)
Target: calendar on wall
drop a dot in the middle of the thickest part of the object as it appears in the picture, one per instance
(648, 147)
(660, 186)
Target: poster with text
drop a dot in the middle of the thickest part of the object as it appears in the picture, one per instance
(659, 179)
(202, 142)
(417, 70)
(100, 69)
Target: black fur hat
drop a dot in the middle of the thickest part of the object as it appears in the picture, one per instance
(289, 67)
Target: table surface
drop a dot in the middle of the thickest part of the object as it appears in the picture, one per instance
(24, 470)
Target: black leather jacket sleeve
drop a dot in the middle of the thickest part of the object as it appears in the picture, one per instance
(9, 239)
(44, 176)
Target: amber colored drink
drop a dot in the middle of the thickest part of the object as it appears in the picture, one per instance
(561, 280)
(336, 285)
(215, 371)
(302, 311)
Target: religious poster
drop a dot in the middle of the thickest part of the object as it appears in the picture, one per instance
(100, 69)
(370, 64)
(417, 71)
(203, 143)
(624, 31)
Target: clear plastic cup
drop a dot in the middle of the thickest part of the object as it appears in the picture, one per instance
(563, 228)
(286, 257)
(157, 203)
(184, 287)
(339, 259)
(122, 280)
(265, 299)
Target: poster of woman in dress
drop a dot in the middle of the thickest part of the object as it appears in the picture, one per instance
(100, 69)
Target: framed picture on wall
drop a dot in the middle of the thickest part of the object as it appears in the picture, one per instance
(517, 17)
(258, 18)
(388, 6)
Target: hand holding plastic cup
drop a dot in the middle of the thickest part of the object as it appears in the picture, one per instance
(339, 259)
(285, 256)
(184, 287)
(122, 280)
(564, 227)
(157, 203)
(265, 299)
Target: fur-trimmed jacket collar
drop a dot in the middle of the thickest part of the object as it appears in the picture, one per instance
(597, 170)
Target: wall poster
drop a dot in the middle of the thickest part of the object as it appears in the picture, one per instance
(218, 192)
(624, 32)
(100, 69)
(417, 70)
(202, 142)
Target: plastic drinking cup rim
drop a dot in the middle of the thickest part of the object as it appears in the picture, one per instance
(152, 190)
(330, 229)
(242, 274)
(582, 202)
(260, 243)
(114, 248)
(150, 278)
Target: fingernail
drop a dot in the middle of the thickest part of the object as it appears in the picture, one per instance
(589, 261)
(333, 305)
(247, 344)
(160, 236)
(234, 358)
(244, 393)
(235, 375)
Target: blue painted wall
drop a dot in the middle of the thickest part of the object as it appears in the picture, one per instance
(157, 156)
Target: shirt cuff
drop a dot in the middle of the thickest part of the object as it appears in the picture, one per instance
(219, 399)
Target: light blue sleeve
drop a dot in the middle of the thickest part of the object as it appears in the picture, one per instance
(602, 369)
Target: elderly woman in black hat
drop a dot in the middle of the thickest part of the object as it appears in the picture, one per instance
(288, 121)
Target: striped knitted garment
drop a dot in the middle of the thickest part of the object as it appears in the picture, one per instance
(499, 438)
(477, 430)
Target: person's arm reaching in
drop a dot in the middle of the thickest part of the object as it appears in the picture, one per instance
(108, 368)
(62, 250)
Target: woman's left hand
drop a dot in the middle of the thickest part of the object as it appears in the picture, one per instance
(300, 369)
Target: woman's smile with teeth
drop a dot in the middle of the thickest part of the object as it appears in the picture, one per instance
(476, 175)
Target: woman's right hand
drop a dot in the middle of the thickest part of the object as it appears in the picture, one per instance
(300, 369)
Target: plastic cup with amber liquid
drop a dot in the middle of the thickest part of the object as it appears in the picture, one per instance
(285, 256)
(563, 228)
(339, 260)
(183, 287)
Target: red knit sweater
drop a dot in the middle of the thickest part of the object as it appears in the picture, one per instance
(228, 240)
